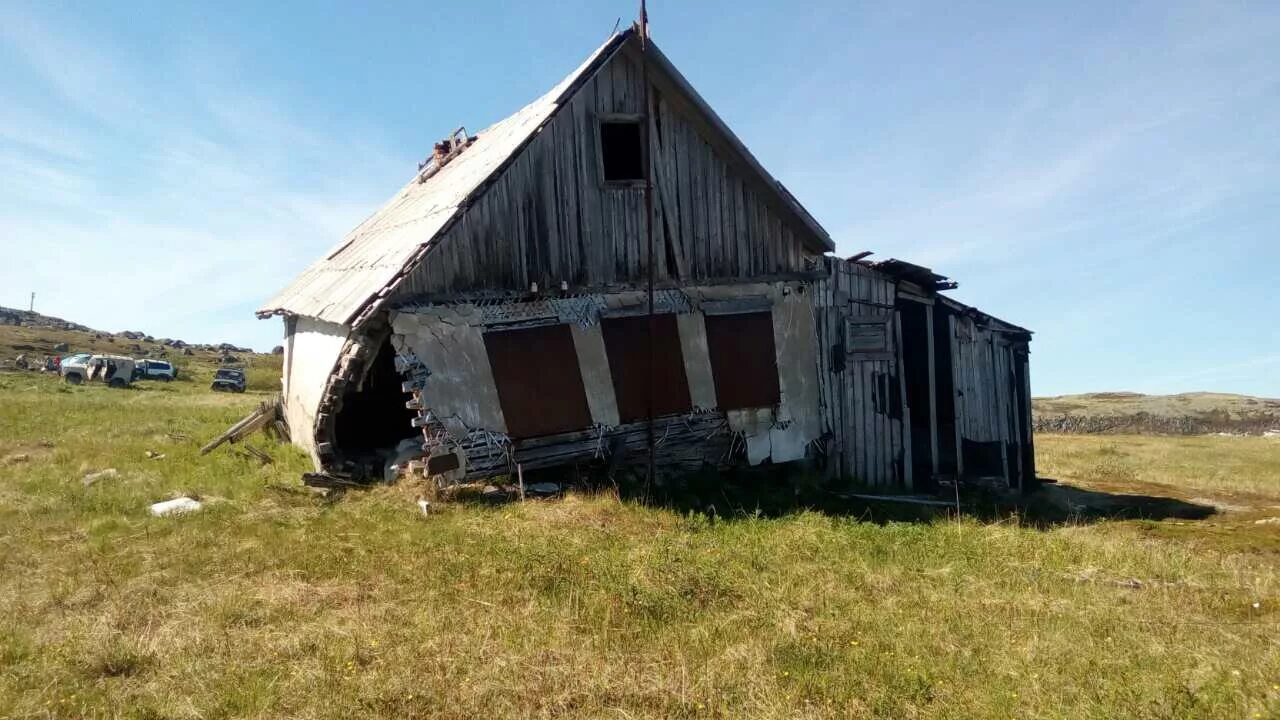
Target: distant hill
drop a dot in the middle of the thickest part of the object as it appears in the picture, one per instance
(1196, 413)
(28, 333)
(27, 318)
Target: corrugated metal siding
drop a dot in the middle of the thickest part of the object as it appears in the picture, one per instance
(861, 407)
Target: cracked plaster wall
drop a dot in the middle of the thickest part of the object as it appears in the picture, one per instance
(449, 340)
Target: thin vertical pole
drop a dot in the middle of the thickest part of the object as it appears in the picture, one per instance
(648, 227)
(32, 307)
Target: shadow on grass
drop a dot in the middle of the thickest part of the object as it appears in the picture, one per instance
(1058, 503)
(781, 490)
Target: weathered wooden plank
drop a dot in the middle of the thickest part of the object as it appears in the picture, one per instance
(933, 392)
(908, 480)
(573, 203)
(714, 206)
(743, 228)
(958, 398)
(603, 83)
(695, 209)
(684, 196)
(666, 218)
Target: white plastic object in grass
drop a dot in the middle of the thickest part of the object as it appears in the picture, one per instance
(176, 506)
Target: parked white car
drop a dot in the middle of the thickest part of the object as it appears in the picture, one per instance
(155, 370)
(114, 370)
(78, 361)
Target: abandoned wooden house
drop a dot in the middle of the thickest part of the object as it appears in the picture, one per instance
(496, 312)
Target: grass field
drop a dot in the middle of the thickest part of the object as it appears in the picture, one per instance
(274, 602)
(262, 371)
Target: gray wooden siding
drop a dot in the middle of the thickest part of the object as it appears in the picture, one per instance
(990, 405)
(549, 217)
(984, 379)
(859, 394)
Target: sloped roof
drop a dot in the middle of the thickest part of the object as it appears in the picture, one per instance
(337, 286)
(365, 266)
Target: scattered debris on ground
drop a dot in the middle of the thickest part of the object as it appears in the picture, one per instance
(325, 481)
(176, 506)
(94, 477)
(17, 458)
(254, 453)
(153, 455)
(396, 465)
(267, 417)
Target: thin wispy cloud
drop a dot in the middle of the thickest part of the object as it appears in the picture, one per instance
(1102, 174)
(227, 193)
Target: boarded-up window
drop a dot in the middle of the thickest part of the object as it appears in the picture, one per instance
(868, 334)
(743, 360)
(626, 340)
(539, 382)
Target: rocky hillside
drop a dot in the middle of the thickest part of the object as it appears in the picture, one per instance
(1184, 414)
(31, 336)
(26, 318)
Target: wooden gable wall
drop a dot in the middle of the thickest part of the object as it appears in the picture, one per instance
(549, 217)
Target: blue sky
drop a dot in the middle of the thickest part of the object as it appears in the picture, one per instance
(1106, 174)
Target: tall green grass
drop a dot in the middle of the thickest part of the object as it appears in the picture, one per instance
(274, 602)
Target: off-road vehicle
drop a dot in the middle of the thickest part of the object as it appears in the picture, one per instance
(114, 370)
(228, 380)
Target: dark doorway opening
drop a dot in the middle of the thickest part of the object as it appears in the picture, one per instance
(373, 418)
(917, 361)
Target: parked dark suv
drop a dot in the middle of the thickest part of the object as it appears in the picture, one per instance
(228, 380)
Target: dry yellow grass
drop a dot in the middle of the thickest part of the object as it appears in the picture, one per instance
(277, 603)
(1244, 468)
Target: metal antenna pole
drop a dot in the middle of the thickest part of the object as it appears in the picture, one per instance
(648, 227)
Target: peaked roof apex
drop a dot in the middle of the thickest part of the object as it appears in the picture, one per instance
(358, 275)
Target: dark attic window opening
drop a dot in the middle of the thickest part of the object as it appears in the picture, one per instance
(622, 151)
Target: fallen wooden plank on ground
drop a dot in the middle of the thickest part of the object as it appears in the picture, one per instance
(266, 414)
